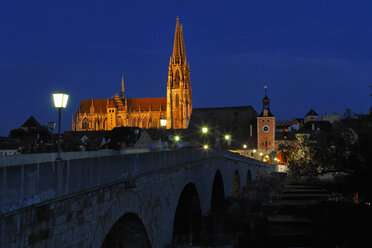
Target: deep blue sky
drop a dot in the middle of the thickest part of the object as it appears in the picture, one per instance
(313, 54)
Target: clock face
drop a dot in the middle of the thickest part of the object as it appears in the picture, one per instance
(265, 128)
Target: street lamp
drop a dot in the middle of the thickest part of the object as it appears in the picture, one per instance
(244, 146)
(228, 140)
(52, 126)
(60, 102)
(204, 130)
(205, 147)
(163, 124)
(177, 139)
(136, 132)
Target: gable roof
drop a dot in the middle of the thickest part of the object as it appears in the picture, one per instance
(134, 104)
(145, 104)
(100, 105)
(31, 122)
(311, 112)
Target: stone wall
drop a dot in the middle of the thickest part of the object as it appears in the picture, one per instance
(75, 203)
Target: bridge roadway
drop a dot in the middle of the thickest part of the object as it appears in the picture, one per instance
(154, 198)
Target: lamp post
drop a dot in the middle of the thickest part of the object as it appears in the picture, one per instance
(136, 132)
(177, 139)
(204, 133)
(60, 102)
(52, 126)
(163, 124)
(228, 140)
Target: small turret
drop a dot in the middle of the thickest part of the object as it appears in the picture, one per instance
(122, 95)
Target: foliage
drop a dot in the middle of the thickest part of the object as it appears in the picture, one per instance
(288, 151)
(346, 148)
(31, 139)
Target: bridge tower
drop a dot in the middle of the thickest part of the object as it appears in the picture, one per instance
(179, 94)
(265, 128)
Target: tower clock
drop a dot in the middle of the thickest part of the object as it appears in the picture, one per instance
(265, 127)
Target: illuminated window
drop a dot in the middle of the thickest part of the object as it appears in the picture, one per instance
(85, 124)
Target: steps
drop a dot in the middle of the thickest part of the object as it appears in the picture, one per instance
(289, 221)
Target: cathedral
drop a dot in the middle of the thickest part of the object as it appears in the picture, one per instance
(176, 108)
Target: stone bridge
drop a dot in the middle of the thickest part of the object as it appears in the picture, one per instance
(134, 200)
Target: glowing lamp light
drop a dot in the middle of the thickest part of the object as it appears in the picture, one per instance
(245, 146)
(205, 147)
(261, 154)
(205, 130)
(163, 122)
(60, 100)
(177, 138)
(254, 151)
(227, 137)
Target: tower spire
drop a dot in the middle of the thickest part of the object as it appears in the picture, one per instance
(179, 54)
(266, 100)
(122, 87)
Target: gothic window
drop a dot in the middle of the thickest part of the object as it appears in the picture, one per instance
(177, 79)
(85, 124)
(150, 122)
(144, 123)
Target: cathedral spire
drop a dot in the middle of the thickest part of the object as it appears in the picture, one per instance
(179, 54)
(122, 87)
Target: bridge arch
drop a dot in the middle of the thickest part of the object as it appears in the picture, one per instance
(236, 189)
(218, 193)
(258, 176)
(249, 179)
(187, 224)
(128, 231)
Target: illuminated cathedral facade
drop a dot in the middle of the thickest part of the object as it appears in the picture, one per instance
(176, 108)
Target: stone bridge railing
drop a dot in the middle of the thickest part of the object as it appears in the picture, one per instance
(27, 184)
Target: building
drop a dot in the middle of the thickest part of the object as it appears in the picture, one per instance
(331, 117)
(239, 123)
(30, 123)
(9, 146)
(120, 111)
(266, 128)
(311, 116)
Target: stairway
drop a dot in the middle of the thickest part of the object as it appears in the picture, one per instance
(289, 220)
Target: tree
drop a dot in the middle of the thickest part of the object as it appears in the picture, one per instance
(288, 152)
(31, 139)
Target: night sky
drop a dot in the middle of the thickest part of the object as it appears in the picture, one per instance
(311, 54)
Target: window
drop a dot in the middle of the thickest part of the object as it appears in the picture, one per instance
(85, 124)
(177, 79)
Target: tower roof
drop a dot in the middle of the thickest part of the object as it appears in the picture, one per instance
(311, 112)
(122, 86)
(266, 105)
(266, 100)
(179, 53)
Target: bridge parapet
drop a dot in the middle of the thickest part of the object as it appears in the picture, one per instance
(27, 184)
